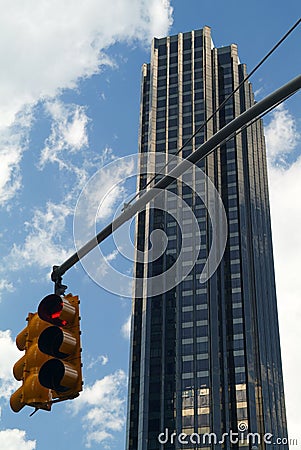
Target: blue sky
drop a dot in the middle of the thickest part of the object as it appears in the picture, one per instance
(69, 103)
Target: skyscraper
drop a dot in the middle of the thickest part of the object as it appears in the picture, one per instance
(205, 357)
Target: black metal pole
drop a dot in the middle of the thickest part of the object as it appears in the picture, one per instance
(204, 150)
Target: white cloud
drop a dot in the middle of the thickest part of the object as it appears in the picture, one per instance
(281, 134)
(126, 328)
(42, 245)
(51, 46)
(100, 198)
(68, 133)
(103, 406)
(6, 285)
(14, 439)
(13, 142)
(102, 359)
(8, 356)
(285, 193)
(60, 42)
(47, 242)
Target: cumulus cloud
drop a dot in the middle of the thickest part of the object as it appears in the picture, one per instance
(46, 243)
(68, 133)
(281, 134)
(57, 45)
(126, 328)
(285, 192)
(14, 439)
(42, 245)
(60, 42)
(8, 356)
(13, 142)
(103, 407)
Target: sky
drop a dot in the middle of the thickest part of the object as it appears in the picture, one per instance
(69, 105)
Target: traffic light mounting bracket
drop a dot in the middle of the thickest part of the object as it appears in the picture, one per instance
(59, 288)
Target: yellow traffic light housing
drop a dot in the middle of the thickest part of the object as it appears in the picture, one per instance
(63, 372)
(51, 367)
(31, 392)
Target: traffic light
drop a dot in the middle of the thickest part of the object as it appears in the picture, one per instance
(31, 392)
(62, 373)
(51, 368)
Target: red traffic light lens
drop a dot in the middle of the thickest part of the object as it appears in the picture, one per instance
(50, 309)
(57, 310)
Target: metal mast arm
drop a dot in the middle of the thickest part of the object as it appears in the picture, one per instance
(201, 152)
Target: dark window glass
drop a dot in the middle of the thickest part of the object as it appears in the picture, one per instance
(202, 347)
(187, 57)
(186, 153)
(173, 79)
(198, 54)
(161, 103)
(202, 364)
(187, 129)
(187, 366)
(161, 114)
(198, 41)
(198, 64)
(162, 50)
(160, 147)
(173, 111)
(187, 349)
(173, 90)
(172, 134)
(199, 117)
(202, 331)
(161, 82)
(160, 136)
(199, 106)
(198, 85)
(187, 332)
(173, 122)
(160, 126)
(173, 70)
(186, 119)
(198, 95)
(174, 47)
(187, 316)
(187, 87)
(187, 109)
(199, 139)
(173, 100)
(187, 44)
(187, 98)
(162, 72)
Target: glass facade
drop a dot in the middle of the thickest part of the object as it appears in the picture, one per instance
(205, 358)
